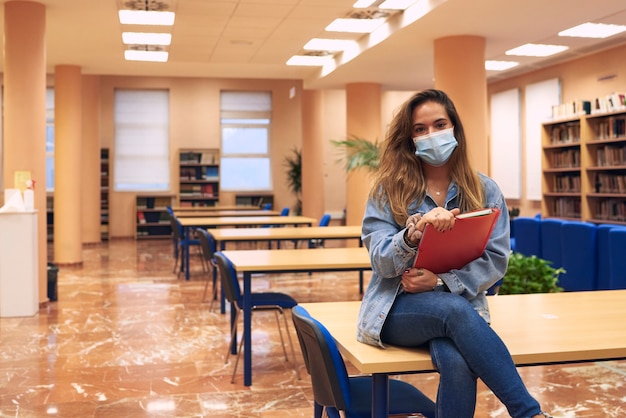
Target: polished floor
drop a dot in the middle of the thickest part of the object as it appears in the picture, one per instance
(126, 338)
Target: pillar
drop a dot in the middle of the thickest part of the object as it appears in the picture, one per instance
(90, 187)
(313, 153)
(25, 111)
(460, 72)
(67, 157)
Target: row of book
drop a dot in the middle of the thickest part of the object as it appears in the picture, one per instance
(611, 156)
(204, 157)
(611, 210)
(153, 202)
(613, 102)
(566, 207)
(566, 184)
(199, 173)
(571, 109)
(565, 133)
(610, 183)
(197, 190)
(610, 128)
(569, 158)
(152, 217)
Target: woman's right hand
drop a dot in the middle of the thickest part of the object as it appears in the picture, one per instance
(442, 219)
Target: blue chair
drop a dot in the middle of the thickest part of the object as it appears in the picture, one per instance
(603, 256)
(617, 244)
(267, 206)
(578, 243)
(334, 390)
(551, 241)
(319, 243)
(528, 236)
(284, 212)
(182, 244)
(275, 301)
(209, 248)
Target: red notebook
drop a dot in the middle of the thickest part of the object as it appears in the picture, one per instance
(440, 252)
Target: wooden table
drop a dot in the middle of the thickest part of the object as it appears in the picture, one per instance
(248, 221)
(536, 328)
(225, 235)
(217, 207)
(251, 262)
(200, 213)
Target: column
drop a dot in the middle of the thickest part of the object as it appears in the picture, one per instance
(25, 110)
(67, 157)
(363, 101)
(313, 153)
(460, 72)
(90, 187)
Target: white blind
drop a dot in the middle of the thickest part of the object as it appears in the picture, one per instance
(142, 157)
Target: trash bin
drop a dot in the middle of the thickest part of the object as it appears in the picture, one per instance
(53, 272)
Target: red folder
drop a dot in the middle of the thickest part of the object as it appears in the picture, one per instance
(440, 252)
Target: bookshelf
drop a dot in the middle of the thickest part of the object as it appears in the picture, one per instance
(254, 199)
(50, 216)
(584, 168)
(104, 193)
(152, 218)
(199, 177)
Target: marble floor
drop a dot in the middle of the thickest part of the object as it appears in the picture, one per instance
(126, 338)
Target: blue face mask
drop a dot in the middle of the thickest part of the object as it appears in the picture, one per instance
(436, 148)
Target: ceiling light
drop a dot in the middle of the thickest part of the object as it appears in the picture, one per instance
(335, 45)
(310, 60)
(536, 50)
(143, 17)
(355, 25)
(500, 65)
(362, 4)
(153, 56)
(138, 38)
(396, 4)
(593, 30)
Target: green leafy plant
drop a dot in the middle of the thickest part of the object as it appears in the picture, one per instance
(359, 153)
(293, 162)
(530, 274)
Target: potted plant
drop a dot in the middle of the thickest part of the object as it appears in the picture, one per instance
(293, 162)
(530, 274)
(359, 153)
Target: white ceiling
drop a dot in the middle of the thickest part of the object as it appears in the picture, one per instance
(254, 38)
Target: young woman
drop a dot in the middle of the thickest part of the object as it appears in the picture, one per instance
(425, 177)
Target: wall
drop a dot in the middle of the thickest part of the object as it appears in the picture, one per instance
(585, 78)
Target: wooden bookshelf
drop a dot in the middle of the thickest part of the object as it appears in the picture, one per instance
(584, 168)
(104, 193)
(152, 219)
(254, 199)
(199, 177)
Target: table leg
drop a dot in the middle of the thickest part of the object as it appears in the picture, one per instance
(186, 236)
(380, 395)
(247, 329)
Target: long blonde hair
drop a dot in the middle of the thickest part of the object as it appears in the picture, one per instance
(400, 178)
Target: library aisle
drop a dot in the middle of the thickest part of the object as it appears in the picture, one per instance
(127, 339)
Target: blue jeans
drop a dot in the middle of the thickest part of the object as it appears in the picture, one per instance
(463, 348)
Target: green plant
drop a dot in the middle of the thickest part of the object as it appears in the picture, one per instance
(359, 153)
(530, 274)
(293, 162)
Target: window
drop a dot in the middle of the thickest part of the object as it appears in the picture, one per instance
(49, 139)
(142, 141)
(246, 127)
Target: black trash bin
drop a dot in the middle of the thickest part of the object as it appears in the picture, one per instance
(53, 272)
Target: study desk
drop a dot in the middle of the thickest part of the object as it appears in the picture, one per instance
(251, 262)
(536, 328)
(217, 207)
(247, 221)
(225, 235)
(200, 213)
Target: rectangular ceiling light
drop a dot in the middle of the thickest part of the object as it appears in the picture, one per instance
(309, 60)
(153, 56)
(536, 50)
(139, 38)
(143, 17)
(355, 25)
(396, 4)
(334, 45)
(500, 65)
(593, 30)
(363, 4)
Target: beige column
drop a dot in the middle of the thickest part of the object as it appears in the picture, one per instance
(25, 110)
(312, 153)
(363, 101)
(67, 165)
(90, 161)
(460, 72)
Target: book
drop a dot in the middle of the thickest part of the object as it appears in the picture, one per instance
(440, 252)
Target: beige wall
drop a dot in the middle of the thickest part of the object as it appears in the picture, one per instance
(584, 78)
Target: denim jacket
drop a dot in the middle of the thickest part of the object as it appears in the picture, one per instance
(390, 256)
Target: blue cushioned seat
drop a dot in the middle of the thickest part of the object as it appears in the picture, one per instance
(551, 241)
(578, 242)
(617, 265)
(527, 236)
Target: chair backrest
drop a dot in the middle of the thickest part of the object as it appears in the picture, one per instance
(228, 279)
(528, 236)
(177, 229)
(267, 206)
(578, 255)
(325, 220)
(329, 377)
(208, 245)
(551, 241)
(284, 212)
(617, 243)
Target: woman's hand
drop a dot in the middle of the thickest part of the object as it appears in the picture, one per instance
(418, 280)
(442, 219)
